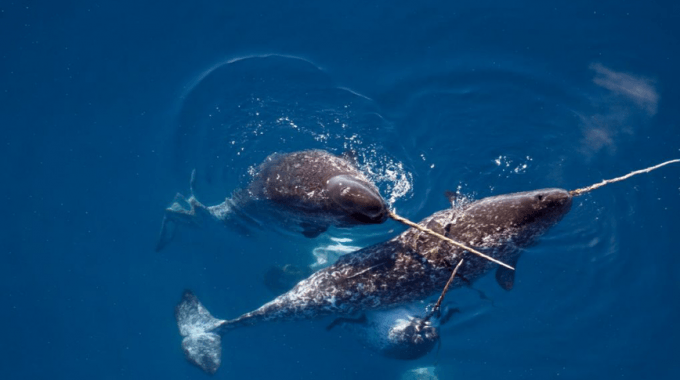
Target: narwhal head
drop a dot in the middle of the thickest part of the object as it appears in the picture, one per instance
(411, 339)
(358, 198)
(525, 214)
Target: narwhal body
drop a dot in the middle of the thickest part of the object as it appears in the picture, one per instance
(407, 268)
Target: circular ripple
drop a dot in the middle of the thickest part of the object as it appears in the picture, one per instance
(239, 112)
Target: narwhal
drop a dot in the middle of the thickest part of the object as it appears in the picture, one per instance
(403, 332)
(311, 189)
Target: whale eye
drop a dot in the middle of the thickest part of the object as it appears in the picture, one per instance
(540, 197)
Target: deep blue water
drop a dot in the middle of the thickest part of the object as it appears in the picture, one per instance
(106, 107)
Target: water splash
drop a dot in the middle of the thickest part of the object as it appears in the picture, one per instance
(422, 373)
(388, 174)
(239, 112)
(509, 166)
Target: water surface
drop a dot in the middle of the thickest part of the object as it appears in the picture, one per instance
(107, 108)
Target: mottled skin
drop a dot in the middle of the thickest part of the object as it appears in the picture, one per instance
(414, 265)
(319, 185)
(312, 189)
(399, 333)
(410, 267)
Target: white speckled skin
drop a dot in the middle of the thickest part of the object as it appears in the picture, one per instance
(298, 179)
(410, 267)
(398, 333)
(313, 189)
(414, 265)
(310, 184)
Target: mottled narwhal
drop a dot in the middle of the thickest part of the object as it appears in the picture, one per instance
(407, 268)
(311, 189)
(406, 332)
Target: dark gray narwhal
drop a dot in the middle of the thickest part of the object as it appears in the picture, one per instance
(406, 332)
(410, 267)
(311, 189)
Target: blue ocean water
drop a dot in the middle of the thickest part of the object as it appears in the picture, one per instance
(107, 107)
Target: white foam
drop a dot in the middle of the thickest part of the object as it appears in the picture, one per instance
(389, 174)
(326, 255)
(422, 373)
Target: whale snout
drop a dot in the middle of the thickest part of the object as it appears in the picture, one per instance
(557, 201)
(411, 341)
(545, 206)
(530, 209)
(372, 214)
(361, 201)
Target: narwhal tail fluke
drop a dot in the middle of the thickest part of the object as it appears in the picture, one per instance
(201, 332)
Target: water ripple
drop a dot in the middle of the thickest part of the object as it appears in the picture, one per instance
(237, 112)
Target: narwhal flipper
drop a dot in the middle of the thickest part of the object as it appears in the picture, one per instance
(202, 340)
(506, 277)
